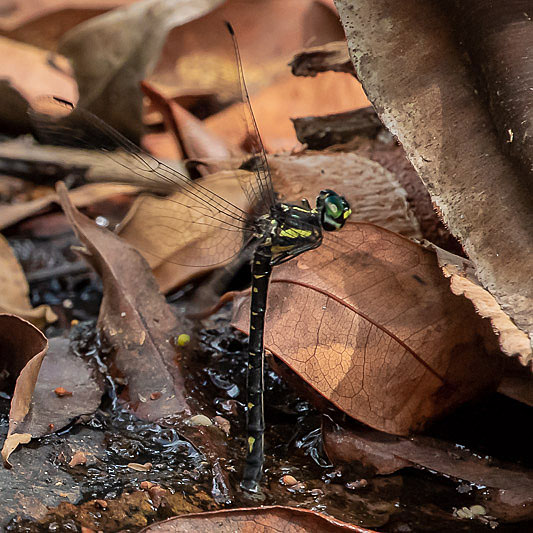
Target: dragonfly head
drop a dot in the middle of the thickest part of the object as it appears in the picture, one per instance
(333, 209)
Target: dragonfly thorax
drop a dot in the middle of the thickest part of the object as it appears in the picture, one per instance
(289, 230)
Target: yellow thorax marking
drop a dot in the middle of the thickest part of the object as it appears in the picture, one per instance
(294, 233)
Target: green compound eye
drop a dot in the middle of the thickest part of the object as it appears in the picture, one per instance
(334, 206)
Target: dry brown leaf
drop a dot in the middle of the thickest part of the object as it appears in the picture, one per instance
(108, 76)
(424, 91)
(141, 333)
(136, 320)
(374, 193)
(387, 454)
(23, 348)
(190, 134)
(29, 71)
(94, 165)
(290, 97)
(255, 520)
(42, 23)
(369, 321)
(175, 222)
(81, 197)
(14, 290)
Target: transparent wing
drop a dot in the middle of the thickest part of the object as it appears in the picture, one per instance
(196, 214)
(260, 191)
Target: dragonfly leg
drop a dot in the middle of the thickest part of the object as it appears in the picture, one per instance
(253, 469)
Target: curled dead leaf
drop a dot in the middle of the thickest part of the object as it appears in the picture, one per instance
(23, 348)
(137, 321)
(11, 444)
(425, 93)
(104, 71)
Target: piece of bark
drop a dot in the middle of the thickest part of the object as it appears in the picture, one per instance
(327, 57)
(320, 132)
(424, 91)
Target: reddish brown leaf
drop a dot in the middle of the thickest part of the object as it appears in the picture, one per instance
(368, 320)
(195, 141)
(139, 324)
(387, 454)
(424, 90)
(255, 520)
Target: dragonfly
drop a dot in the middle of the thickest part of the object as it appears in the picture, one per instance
(275, 231)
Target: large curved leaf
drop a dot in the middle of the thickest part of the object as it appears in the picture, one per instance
(370, 322)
